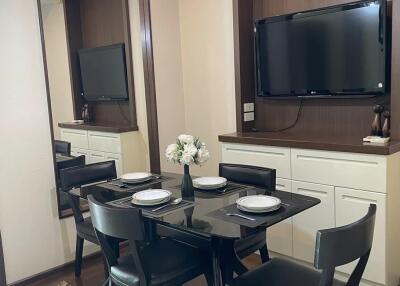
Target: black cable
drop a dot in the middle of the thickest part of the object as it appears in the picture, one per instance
(291, 125)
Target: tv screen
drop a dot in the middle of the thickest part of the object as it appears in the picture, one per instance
(103, 73)
(336, 51)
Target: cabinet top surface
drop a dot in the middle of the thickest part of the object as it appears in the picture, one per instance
(99, 127)
(304, 141)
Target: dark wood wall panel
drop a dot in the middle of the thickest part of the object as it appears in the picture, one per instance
(349, 118)
(95, 23)
(395, 98)
(2, 267)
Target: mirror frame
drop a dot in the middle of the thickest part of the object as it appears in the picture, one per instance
(150, 93)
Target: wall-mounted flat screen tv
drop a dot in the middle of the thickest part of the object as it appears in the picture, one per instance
(103, 73)
(335, 51)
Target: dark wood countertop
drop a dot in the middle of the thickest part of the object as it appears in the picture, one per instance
(99, 127)
(320, 142)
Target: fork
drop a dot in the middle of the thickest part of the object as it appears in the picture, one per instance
(237, 215)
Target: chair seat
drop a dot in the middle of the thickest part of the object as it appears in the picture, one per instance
(281, 272)
(86, 231)
(166, 259)
(249, 245)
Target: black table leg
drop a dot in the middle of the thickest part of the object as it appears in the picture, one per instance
(230, 262)
(216, 261)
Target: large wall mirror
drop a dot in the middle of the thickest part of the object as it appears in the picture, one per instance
(90, 81)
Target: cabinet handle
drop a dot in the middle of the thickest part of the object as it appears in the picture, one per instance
(348, 161)
(358, 200)
(313, 192)
(256, 152)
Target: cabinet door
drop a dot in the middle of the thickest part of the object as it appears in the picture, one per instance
(307, 223)
(77, 138)
(280, 236)
(79, 152)
(96, 157)
(351, 205)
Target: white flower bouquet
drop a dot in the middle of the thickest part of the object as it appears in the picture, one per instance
(188, 150)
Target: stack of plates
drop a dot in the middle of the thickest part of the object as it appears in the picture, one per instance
(258, 204)
(135, 178)
(151, 197)
(209, 183)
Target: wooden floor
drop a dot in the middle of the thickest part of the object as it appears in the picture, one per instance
(93, 275)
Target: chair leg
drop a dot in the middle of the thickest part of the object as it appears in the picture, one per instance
(264, 253)
(78, 256)
(209, 278)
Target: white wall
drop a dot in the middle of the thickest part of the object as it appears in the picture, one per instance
(205, 60)
(34, 239)
(168, 75)
(57, 63)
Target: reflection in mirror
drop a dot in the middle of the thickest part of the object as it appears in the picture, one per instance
(91, 89)
(56, 49)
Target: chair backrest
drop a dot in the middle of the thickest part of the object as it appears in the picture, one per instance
(121, 223)
(78, 176)
(257, 176)
(62, 147)
(341, 245)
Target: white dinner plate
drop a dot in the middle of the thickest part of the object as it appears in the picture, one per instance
(137, 177)
(258, 203)
(209, 183)
(140, 203)
(151, 197)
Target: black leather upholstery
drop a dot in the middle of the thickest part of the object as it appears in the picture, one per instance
(76, 177)
(159, 262)
(334, 247)
(256, 176)
(167, 261)
(280, 272)
(62, 147)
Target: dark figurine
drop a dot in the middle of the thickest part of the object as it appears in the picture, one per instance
(376, 128)
(86, 113)
(386, 124)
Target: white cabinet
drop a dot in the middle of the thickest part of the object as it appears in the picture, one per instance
(351, 205)
(124, 148)
(307, 223)
(279, 236)
(346, 183)
(270, 157)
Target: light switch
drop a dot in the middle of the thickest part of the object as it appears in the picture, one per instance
(248, 107)
(249, 116)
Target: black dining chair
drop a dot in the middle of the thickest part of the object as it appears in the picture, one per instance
(161, 262)
(63, 200)
(62, 147)
(334, 247)
(77, 177)
(263, 178)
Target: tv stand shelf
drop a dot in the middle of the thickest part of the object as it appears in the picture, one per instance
(99, 127)
(307, 141)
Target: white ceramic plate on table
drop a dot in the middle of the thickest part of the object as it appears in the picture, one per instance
(137, 177)
(258, 204)
(151, 197)
(209, 183)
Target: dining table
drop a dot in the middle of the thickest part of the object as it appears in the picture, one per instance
(203, 220)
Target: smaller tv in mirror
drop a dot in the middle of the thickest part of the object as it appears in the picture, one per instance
(103, 73)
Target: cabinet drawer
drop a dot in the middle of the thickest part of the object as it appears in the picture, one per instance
(279, 236)
(263, 156)
(307, 223)
(105, 142)
(77, 138)
(357, 171)
(352, 205)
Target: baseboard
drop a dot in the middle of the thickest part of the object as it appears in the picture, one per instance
(55, 270)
